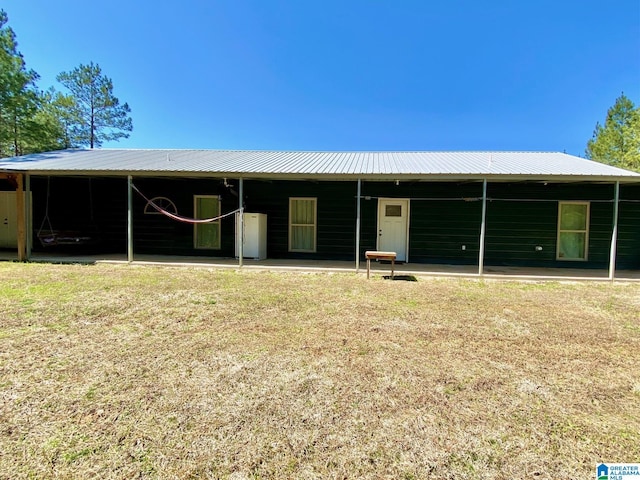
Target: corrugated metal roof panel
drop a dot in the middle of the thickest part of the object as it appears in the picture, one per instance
(318, 164)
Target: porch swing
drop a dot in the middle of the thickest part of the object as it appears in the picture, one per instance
(49, 237)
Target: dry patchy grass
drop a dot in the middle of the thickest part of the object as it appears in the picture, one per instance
(125, 372)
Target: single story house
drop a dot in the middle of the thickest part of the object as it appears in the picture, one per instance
(540, 209)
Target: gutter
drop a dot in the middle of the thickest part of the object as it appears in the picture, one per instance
(387, 177)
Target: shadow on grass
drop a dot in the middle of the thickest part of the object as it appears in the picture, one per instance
(406, 278)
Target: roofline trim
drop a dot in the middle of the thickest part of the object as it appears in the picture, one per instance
(575, 178)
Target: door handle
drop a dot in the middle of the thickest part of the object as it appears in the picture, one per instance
(6, 221)
(380, 233)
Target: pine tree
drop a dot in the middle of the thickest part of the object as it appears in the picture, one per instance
(18, 95)
(98, 114)
(51, 123)
(617, 143)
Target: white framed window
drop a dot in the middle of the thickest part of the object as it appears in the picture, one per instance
(206, 235)
(573, 231)
(302, 224)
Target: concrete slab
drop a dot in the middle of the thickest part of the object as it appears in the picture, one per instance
(432, 270)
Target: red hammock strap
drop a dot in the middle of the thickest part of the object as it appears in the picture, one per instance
(180, 218)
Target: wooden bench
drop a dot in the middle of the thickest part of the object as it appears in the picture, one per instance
(374, 255)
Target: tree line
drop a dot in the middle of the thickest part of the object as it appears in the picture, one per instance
(34, 120)
(617, 142)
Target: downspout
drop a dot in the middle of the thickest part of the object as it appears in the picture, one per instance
(358, 226)
(483, 228)
(129, 219)
(614, 233)
(241, 223)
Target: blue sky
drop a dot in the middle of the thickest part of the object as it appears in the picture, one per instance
(346, 75)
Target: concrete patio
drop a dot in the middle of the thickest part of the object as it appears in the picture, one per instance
(414, 269)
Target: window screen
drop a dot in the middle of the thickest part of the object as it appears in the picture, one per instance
(302, 224)
(207, 235)
(573, 229)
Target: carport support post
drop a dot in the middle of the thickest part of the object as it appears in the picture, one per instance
(483, 227)
(240, 223)
(129, 219)
(22, 236)
(27, 214)
(358, 226)
(614, 233)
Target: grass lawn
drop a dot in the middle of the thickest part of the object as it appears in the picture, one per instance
(144, 372)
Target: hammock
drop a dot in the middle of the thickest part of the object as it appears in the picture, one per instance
(180, 218)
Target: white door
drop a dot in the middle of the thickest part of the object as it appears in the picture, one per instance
(8, 220)
(393, 226)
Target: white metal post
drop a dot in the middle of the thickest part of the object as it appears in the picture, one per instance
(614, 233)
(241, 224)
(358, 226)
(483, 227)
(129, 219)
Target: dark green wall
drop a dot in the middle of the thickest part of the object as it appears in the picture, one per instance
(629, 227)
(444, 216)
(336, 204)
(336, 216)
(158, 234)
(522, 216)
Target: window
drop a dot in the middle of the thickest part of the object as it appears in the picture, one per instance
(393, 210)
(162, 202)
(206, 235)
(302, 224)
(573, 230)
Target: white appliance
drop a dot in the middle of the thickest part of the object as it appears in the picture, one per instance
(255, 236)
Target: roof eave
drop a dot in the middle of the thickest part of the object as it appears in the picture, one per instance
(492, 177)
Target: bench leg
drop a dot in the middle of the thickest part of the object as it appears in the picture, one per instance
(393, 262)
(368, 267)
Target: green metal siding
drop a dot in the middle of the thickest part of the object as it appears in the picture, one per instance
(520, 217)
(629, 227)
(440, 229)
(515, 229)
(444, 216)
(523, 216)
(158, 234)
(336, 216)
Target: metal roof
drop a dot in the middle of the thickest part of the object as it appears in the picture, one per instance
(319, 165)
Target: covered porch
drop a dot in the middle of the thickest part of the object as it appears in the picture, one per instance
(571, 219)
